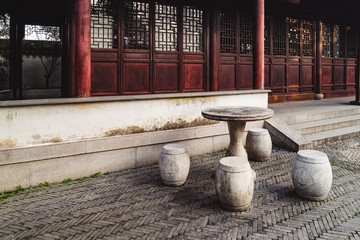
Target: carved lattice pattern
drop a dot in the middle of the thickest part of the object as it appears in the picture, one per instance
(339, 42)
(42, 41)
(4, 64)
(307, 38)
(294, 36)
(351, 42)
(267, 36)
(279, 36)
(327, 40)
(246, 34)
(193, 29)
(166, 28)
(4, 52)
(137, 25)
(103, 24)
(42, 33)
(228, 32)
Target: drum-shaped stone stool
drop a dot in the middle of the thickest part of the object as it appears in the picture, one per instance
(234, 182)
(312, 175)
(258, 145)
(174, 164)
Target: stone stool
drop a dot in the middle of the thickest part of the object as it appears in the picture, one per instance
(258, 144)
(174, 164)
(234, 182)
(312, 175)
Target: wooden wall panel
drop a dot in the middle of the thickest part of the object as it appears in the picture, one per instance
(307, 75)
(193, 77)
(339, 80)
(136, 78)
(294, 77)
(350, 74)
(327, 74)
(166, 77)
(267, 76)
(246, 77)
(104, 77)
(227, 77)
(278, 78)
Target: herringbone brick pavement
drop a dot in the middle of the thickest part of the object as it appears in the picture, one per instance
(135, 204)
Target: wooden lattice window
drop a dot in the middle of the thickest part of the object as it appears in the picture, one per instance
(267, 36)
(104, 22)
(228, 32)
(166, 28)
(351, 42)
(294, 36)
(193, 29)
(137, 25)
(307, 38)
(279, 36)
(246, 34)
(339, 42)
(327, 40)
(4, 52)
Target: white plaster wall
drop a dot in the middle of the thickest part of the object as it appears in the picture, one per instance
(28, 125)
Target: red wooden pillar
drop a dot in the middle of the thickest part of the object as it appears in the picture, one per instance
(319, 50)
(357, 97)
(214, 48)
(259, 67)
(82, 15)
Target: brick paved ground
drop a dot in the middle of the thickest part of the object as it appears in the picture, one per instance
(136, 205)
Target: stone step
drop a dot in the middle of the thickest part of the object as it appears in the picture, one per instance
(310, 116)
(326, 124)
(325, 137)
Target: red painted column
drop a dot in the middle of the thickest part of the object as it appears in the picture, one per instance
(82, 48)
(319, 50)
(259, 67)
(357, 93)
(214, 48)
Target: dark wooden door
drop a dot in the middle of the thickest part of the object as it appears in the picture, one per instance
(290, 59)
(339, 60)
(236, 49)
(162, 49)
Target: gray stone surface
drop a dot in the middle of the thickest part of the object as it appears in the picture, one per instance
(318, 122)
(312, 175)
(134, 204)
(236, 117)
(94, 155)
(234, 183)
(240, 113)
(174, 164)
(258, 144)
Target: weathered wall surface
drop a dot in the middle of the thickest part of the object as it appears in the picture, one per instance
(28, 123)
(52, 140)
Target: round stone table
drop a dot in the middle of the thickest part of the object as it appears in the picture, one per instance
(236, 118)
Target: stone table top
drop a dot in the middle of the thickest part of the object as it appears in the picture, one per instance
(237, 113)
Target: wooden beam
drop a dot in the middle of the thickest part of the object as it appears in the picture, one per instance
(296, 2)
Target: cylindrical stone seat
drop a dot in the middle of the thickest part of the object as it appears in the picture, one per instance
(312, 175)
(234, 182)
(258, 144)
(174, 164)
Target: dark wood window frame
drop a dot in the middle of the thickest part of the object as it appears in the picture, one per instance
(152, 69)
